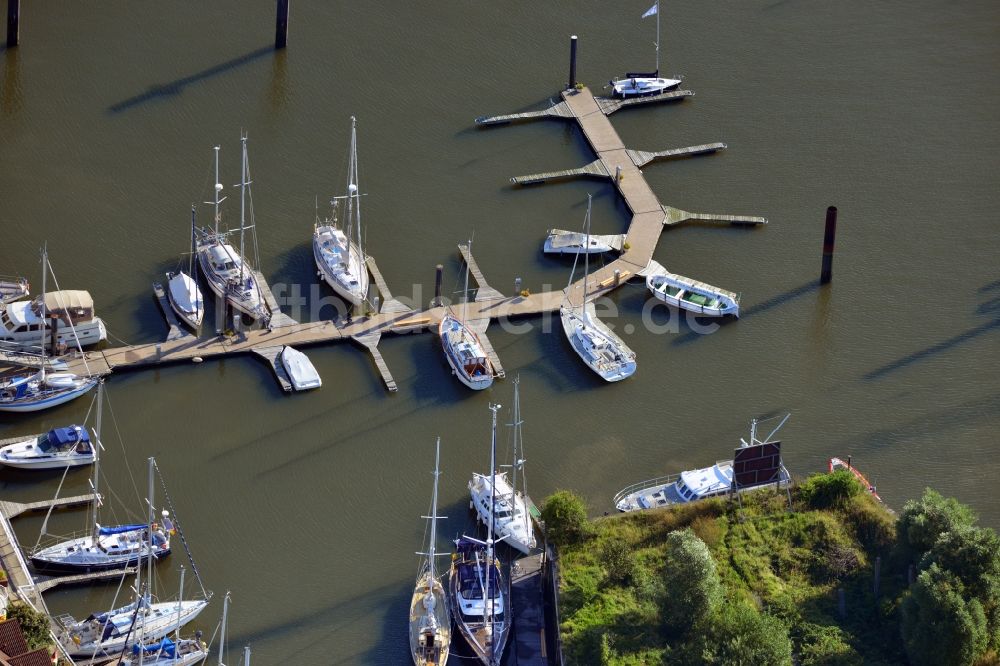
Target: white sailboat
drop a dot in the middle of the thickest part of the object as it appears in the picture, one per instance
(511, 520)
(641, 84)
(603, 351)
(479, 596)
(56, 449)
(430, 620)
(104, 547)
(228, 272)
(34, 391)
(110, 634)
(168, 651)
(462, 347)
(340, 259)
(183, 292)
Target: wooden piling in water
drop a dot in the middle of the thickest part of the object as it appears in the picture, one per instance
(281, 25)
(13, 22)
(438, 277)
(829, 236)
(572, 62)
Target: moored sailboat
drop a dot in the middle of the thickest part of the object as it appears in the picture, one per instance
(462, 347)
(183, 292)
(339, 254)
(477, 591)
(603, 351)
(430, 619)
(642, 84)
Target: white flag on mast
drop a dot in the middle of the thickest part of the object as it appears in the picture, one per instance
(651, 11)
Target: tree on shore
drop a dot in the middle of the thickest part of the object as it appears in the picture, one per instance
(565, 517)
(941, 624)
(693, 590)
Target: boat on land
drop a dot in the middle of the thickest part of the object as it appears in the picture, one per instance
(596, 344)
(835, 464)
(430, 617)
(643, 84)
(56, 449)
(692, 485)
(511, 516)
(300, 369)
(573, 242)
(692, 295)
(183, 291)
(477, 591)
(13, 288)
(339, 253)
(228, 271)
(462, 347)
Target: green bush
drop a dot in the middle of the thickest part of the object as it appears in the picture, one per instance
(923, 521)
(940, 625)
(34, 625)
(819, 645)
(692, 584)
(738, 635)
(823, 491)
(565, 516)
(618, 561)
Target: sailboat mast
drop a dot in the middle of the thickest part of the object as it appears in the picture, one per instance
(657, 38)
(243, 190)
(45, 274)
(434, 509)
(246, 655)
(97, 454)
(489, 532)
(517, 431)
(351, 189)
(222, 630)
(180, 597)
(218, 188)
(191, 256)
(586, 254)
(149, 532)
(357, 194)
(465, 293)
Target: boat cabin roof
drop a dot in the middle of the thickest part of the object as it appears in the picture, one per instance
(63, 438)
(221, 254)
(708, 479)
(468, 580)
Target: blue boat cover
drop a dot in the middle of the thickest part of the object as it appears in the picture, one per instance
(104, 531)
(69, 435)
(166, 647)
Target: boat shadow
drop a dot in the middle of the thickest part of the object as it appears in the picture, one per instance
(163, 91)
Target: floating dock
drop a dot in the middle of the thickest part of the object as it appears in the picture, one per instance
(614, 161)
(527, 600)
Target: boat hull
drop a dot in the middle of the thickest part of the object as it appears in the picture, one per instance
(300, 370)
(185, 299)
(335, 245)
(602, 351)
(430, 628)
(163, 617)
(487, 643)
(515, 529)
(465, 353)
(642, 86)
(247, 302)
(661, 287)
(46, 399)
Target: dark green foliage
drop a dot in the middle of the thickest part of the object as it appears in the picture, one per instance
(618, 561)
(34, 625)
(565, 516)
(973, 555)
(941, 624)
(692, 584)
(923, 521)
(822, 491)
(738, 635)
(824, 645)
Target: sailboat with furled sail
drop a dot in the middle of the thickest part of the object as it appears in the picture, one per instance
(182, 289)
(479, 596)
(603, 351)
(641, 84)
(228, 272)
(462, 347)
(430, 620)
(340, 258)
(37, 390)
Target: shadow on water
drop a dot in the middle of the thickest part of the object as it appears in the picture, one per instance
(11, 99)
(933, 350)
(176, 86)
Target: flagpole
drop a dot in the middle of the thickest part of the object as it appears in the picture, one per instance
(657, 37)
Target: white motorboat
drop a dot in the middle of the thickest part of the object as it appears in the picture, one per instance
(477, 592)
(339, 254)
(573, 242)
(430, 618)
(182, 289)
(642, 84)
(691, 485)
(688, 294)
(603, 351)
(56, 449)
(228, 272)
(462, 347)
(13, 289)
(24, 323)
(300, 369)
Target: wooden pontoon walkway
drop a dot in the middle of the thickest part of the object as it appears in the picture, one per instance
(614, 161)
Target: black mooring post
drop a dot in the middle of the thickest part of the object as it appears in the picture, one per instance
(572, 61)
(13, 22)
(828, 238)
(438, 276)
(281, 27)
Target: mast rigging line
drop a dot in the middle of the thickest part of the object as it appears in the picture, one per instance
(180, 532)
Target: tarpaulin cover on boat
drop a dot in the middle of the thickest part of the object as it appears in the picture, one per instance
(70, 435)
(104, 531)
(166, 647)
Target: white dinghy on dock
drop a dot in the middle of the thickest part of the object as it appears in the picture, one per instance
(300, 370)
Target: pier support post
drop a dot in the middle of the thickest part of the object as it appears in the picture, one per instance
(618, 173)
(618, 277)
(878, 574)
(281, 25)
(829, 235)
(13, 22)
(572, 61)
(517, 286)
(438, 275)
(375, 303)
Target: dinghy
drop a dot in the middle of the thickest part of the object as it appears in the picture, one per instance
(300, 370)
